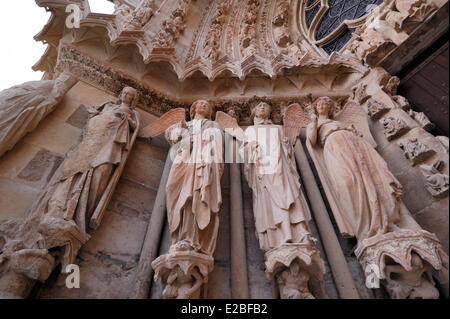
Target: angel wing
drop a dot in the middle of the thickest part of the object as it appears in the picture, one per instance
(230, 125)
(164, 122)
(354, 114)
(295, 118)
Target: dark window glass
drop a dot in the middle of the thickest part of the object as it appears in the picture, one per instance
(341, 10)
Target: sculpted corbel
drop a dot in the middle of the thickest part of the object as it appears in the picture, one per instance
(24, 106)
(73, 203)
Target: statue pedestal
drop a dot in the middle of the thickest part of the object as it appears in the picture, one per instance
(404, 262)
(298, 270)
(184, 272)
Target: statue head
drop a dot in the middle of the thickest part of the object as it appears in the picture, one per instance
(324, 106)
(262, 111)
(202, 109)
(129, 96)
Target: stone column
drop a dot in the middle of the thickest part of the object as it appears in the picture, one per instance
(239, 279)
(339, 268)
(144, 275)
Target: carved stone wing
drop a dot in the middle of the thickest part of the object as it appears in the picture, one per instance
(164, 122)
(230, 125)
(354, 114)
(295, 118)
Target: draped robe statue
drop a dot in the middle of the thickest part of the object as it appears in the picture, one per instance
(22, 107)
(194, 199)
(366, 200)
(281, 212)
(74, 202)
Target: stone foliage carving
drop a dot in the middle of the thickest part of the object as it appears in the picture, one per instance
(394, 127)
(415, 150)
(348, 164)
(194, 199)
(74, 202)
(281, 213)
(24, 106)
(437, 183)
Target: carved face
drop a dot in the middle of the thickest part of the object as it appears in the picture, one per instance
(324, 106)
(263, 111)
(201, 109)
(128, 95)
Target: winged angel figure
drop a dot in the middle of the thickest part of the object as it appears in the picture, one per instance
(193, 195)
(365, 198)
(193, 189)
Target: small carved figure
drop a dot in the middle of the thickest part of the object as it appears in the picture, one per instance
(394, 127)
(437, 183)
(415, 150)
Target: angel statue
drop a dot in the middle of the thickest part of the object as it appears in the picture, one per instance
(281, 212)
(22, 107)
(74, 201)
(193, 198)
(364, 195)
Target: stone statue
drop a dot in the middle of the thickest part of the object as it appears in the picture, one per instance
(281, 213)
(364, 195)
(23, 106)
(74, 202)
(194, 199)
(354, 167)
(77, 199)
(280, 209)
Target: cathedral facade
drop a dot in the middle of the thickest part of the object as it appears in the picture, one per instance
(225, 149)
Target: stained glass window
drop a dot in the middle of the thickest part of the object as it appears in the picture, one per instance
(338, 12)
